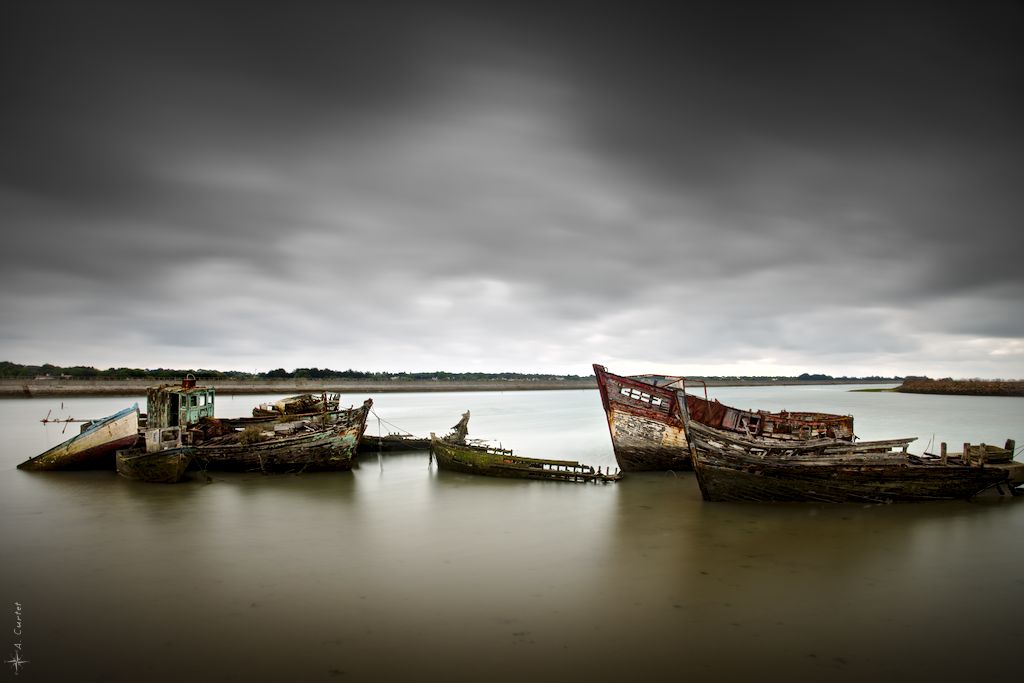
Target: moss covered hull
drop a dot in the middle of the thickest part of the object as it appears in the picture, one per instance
(496, 462)
(166, 466)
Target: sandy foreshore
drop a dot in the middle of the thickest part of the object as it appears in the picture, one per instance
(137, 387)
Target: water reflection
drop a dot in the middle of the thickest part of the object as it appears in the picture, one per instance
(843, 591)
(397, 571)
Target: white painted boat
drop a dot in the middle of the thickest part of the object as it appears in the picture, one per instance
(94, 446)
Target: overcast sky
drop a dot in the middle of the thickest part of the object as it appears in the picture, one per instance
(726, 188)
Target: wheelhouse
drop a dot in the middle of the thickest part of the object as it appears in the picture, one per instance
(174, 405)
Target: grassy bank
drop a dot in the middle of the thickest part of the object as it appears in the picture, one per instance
(963, 387)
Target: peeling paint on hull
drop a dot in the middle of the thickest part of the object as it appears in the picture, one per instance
(734, 469)
(322, 450)
(325, 448)
(641, 443)
(93, 447)
(647, 425)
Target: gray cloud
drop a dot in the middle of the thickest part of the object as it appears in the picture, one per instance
(788, 189)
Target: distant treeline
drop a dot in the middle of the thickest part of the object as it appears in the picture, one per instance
(964, 387)
(827, 378)
(10, 370)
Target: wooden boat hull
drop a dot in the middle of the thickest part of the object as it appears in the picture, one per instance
(303, 404)
(166, 466)
(784, 425)
(502, 463)
(392, 443)
(327, 417)
(641, 443)
(647, 421)
(94, 446)
(316, 448)
(727, 473)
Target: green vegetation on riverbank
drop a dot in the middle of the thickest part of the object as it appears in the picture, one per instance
(50, 380)
(15, 371)
(10, 370)
(962, 387)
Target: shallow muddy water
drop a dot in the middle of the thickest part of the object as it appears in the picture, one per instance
(396, 571)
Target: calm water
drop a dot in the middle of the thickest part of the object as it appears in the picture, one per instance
(399, 572)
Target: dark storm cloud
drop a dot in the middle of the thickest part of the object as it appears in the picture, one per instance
(724, 186)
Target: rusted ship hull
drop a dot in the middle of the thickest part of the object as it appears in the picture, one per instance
(164, 467)
(308, 447)
(502, 463)
(94, 446)
(738, 472)
(647, 417)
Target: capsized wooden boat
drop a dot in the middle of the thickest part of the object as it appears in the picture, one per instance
(298, 445)
(161, 458)
(646, 417)
(302, 404)
(731, 467)
(94, 446)
(454, 453)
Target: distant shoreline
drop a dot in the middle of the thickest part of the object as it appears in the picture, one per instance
(965, 387)
(948, 387)
(137, 387)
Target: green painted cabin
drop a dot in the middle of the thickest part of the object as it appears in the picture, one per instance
(178, 405)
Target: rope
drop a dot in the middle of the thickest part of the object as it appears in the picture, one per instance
(380, 419)
(380, 442)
